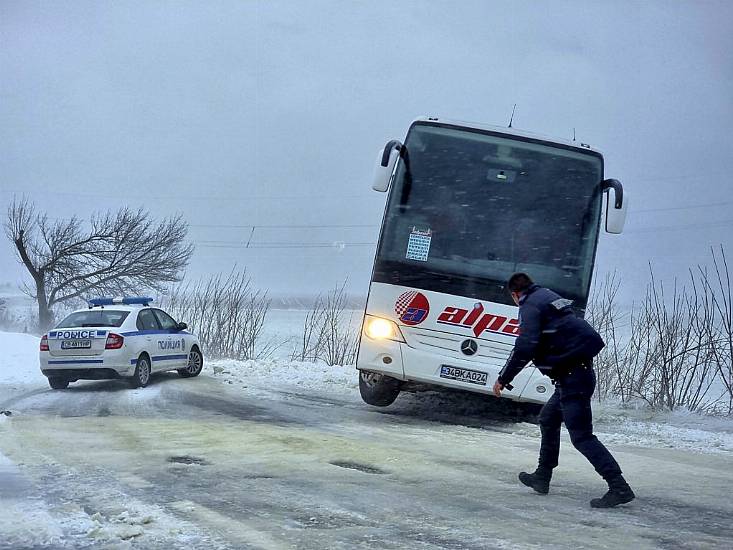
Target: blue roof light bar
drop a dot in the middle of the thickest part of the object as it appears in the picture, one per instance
(127, 301)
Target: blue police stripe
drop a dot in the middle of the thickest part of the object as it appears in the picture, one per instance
(169, 357)
(77, 362)
(162, 358)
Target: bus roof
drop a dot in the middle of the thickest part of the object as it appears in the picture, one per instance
(506, 131)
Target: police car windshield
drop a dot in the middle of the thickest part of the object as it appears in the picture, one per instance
(474, 207)
(94, 318)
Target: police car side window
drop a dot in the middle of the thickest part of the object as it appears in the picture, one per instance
(147, 321)
(165, 320)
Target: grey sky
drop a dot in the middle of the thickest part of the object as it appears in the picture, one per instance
(271, 113)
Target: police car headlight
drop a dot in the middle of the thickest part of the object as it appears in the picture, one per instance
(377, 328)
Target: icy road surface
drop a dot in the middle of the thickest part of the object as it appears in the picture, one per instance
(203, 464)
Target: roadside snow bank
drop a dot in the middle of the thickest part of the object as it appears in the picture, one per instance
(20, 359)
(643, 427)
(278, 374)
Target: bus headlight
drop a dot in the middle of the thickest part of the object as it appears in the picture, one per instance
(377, 328)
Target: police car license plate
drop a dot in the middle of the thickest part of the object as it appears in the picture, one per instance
(76, 344)
(463, 375)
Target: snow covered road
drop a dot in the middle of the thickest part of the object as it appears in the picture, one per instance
(204, 464)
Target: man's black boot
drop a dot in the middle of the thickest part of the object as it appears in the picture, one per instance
(619, 492)
(539, 480)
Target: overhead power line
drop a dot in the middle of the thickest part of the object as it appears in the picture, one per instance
(187, 198)
(687, 207)
(244, 246)
(663, 228)
(284, 226)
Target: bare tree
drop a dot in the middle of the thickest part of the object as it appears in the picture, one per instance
(117, 253)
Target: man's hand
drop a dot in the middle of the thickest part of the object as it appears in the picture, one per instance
(498, 386)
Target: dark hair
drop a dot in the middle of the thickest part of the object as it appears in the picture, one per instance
(519, 282)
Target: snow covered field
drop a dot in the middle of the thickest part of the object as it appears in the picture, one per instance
(21, 364)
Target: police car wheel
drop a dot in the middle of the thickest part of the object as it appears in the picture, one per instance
(378, 389)
(141, 377)
(58, 382)
(195, 364)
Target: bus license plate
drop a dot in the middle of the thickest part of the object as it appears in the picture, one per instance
(76, 344)
(463, 375)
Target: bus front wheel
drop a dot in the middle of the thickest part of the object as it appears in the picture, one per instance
(378, 389)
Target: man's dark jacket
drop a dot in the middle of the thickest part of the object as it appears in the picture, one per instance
(550, 334)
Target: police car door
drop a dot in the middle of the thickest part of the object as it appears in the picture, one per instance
(175, 348)
(149, 327)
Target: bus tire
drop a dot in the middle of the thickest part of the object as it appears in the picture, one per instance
(58, 382)
(378, 389)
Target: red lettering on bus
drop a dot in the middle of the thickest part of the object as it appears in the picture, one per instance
(512, 327)
(452, 315)
(479, 321)
(489, 321)
(474, 315)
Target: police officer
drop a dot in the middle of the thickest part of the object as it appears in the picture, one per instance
(562, 347)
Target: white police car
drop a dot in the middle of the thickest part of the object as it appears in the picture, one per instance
(116, 338)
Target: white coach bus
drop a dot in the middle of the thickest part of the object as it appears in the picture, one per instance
(468, 205)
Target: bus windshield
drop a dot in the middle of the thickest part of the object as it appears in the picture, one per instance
(469, 208)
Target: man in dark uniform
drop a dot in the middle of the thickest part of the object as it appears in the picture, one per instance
(562, 346)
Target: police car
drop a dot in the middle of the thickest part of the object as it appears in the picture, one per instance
(118, 338)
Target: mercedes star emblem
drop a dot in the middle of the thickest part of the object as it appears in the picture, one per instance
(469, 347)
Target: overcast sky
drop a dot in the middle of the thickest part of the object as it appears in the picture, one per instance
(271, 113)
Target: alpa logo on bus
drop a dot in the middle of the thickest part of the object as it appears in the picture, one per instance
(479, 321)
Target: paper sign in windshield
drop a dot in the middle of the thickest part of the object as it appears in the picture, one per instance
(418, 246)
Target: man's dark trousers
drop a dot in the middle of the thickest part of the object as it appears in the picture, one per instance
(571, 404)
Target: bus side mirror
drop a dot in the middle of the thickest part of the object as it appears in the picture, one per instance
(617, 203)
(386, 160)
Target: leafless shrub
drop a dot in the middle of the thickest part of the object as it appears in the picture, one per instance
(607, 318)
(328, 332)
(674, 369)
(226, 313)
(314, 326)
(674, 348)
(717, 305)
(7, 320)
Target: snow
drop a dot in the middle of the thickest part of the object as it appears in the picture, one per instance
(21, 364)
(279, 373)
(104, 511)
(616, 424)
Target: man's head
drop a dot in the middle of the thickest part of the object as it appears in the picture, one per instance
(518, 285)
